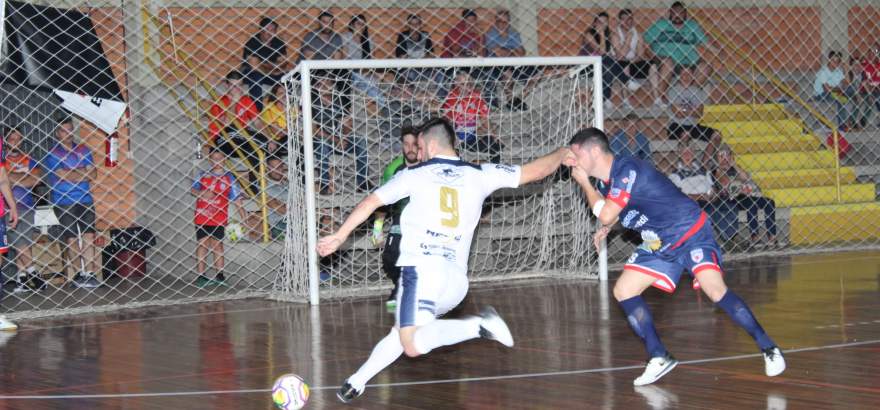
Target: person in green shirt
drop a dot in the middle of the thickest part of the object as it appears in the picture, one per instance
(408, 158)
(675, 41)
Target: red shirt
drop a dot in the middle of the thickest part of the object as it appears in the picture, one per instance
(872, 72)
(461, 37)
(245, 111)
(215, 211)
(465, 110)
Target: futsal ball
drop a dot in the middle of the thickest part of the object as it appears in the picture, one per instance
(290, 392)
(234, 231)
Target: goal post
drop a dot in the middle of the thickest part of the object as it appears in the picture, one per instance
(343, 114)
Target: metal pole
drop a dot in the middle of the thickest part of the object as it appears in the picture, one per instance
(836, 133)
(309, 161)
(599, 122)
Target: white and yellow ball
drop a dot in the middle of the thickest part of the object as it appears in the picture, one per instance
(290, 392)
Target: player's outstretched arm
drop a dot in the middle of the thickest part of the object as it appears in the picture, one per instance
(542, 167)
(361, 212)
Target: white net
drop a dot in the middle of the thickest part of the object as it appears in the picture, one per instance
(503, 111)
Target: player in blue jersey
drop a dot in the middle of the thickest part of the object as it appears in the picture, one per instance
(676, 235)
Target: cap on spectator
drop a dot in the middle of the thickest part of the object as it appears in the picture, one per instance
(267, 21)
(326, 14)
(468, 13)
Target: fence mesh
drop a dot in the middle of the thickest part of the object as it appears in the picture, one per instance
(773, 133)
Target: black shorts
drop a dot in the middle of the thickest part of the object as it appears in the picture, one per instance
(390, 255)
(638, 69)
(216, 232)
(697, 132)
(73, 221)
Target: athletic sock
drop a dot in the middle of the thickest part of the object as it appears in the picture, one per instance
(737, 309)
(642, 323)
(386, 352)
(446, 332)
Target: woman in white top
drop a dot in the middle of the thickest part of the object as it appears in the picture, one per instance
(629, 50)
(356, 45)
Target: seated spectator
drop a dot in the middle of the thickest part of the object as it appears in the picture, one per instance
(332, 133)
(323, 43)
(23, 176)
(264, 58)
(860, 100)
(464, 39)
(871, 68)
(70, 169)
(630, 52)
(632, 143)
(675, 41)
(830, 85)
(502, 40)
(695, 181)
(687, 100)
(736, 189)
(356, 45)
(469, 114)
(415, 43)
(277, 187)
(273, 116)
(596, 41)
(236, 114)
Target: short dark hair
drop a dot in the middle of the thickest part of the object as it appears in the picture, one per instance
(9, 129)
(273, 157)
(834, 53)
(266, 21)
(408, 129)
(468, 13)
(326, 14)
(677, 5)
(603, 14)
(233, 75)
(439, 125)
(624, 12)
(591, 137)
(64, 120)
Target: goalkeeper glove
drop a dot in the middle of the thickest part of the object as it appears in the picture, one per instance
(376, 236)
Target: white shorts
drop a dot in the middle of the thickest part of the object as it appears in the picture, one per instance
(427, 293)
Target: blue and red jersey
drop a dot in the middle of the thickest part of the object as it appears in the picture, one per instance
(215, 211)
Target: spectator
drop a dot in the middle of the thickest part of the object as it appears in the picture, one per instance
(264, 60)
(687, 101)
(214, 190)
(333, 133)
(323, 43)
(23, 176)
(860, 99)
(596, 41)
(277, 187)
(356, 45)
(502, 40)
(630, 52)
(830, 86)
(273, 116)
(736, 189)
(6, 324)
(464, 39)
(631, 144)
(70, 169)
(695, 181)
(674, 40)
(469, 114)
(871, 68)
(413, 42)
(391, 252)
(236, 113)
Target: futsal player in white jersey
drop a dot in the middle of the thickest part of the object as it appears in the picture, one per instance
(445, 201)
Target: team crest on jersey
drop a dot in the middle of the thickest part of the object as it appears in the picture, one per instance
(697, 255)
(448, 174)
(506, 168)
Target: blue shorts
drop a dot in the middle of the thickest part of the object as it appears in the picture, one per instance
(4, 243)
(694, 253)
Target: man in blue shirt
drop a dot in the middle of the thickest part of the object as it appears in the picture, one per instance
(676, 235)
(69, 170)
(502, 40)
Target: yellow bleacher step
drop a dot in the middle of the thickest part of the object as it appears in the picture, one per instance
(778, 161)
(756, 128)
(743, 112)
(821, 195)
(772, 143)
(800, 178)
(835, 223)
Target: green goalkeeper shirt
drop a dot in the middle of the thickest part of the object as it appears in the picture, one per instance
(394, 210)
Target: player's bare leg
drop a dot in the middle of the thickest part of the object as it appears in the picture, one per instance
(712, 283)
(628, 291)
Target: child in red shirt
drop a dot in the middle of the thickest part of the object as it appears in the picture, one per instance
(214, 190)
(469, 114)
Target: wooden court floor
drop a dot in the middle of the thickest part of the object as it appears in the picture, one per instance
(573, 350)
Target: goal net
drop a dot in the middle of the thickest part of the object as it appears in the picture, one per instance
(344, 120)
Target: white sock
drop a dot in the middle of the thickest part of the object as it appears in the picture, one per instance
(386, 352)
(446, 332)
(31, 270)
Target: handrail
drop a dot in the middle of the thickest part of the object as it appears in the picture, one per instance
(261, 157)
(781, 86)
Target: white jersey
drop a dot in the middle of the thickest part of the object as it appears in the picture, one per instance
(445, 202)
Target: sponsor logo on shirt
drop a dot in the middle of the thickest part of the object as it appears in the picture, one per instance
(506, 168)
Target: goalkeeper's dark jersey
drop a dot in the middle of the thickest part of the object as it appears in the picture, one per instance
(394, 211)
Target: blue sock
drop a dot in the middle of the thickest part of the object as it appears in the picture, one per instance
(741, 314)
(641, 322)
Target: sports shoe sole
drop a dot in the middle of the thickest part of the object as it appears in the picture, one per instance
(666, 370)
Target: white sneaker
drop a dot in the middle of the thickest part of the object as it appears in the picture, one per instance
(774, 362)
(657, 367)
(492, 327)
(6, 324)
(633, 85)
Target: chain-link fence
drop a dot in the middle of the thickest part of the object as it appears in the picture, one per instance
(742, 103)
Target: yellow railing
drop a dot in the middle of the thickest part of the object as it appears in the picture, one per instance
(776, 82)
(260, 168)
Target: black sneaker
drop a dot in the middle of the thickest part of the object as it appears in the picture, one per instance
(347, 393)
(220, 279)
(85, 281)
(22, 285)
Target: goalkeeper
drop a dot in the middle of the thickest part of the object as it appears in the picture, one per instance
(391, 252)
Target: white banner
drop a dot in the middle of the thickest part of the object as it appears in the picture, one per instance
(105, 114)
